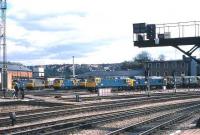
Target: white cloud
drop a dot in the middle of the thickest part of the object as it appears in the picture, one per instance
(90, 21)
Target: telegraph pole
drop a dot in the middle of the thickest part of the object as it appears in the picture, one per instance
(3, 5)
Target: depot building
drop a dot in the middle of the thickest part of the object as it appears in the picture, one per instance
(15, 72)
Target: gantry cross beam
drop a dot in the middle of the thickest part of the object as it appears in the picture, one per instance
(170, 34)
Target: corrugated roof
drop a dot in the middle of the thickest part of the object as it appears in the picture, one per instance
(12, 67)
(130, 73)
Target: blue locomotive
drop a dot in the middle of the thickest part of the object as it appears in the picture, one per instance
(155, 82)
(119, 83)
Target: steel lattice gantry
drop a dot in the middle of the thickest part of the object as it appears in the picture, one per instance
(170, 34)
(3, 7)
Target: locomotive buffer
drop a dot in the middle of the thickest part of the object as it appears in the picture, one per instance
(168, 34)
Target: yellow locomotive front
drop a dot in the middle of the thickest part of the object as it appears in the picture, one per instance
(58, 83)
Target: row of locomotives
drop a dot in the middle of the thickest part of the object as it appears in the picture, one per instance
(40, 83)
(94, 83)
(157, 82)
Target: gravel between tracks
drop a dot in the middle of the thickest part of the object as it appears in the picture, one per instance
(103, 129)
(101, 112)
(14, 108)
(72, 95)
(187, 127)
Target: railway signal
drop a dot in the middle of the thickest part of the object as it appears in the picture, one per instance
(151, 31)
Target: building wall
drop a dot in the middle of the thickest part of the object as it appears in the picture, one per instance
(17, 75)
(166, 68)
(193, 66)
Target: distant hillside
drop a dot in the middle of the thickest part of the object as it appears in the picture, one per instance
(65, 70)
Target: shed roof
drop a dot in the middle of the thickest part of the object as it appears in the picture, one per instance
(130, 73)
(12, 67)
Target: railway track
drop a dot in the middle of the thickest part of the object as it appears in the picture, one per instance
(124, 96)
(71, 124)
(136, 99)
(85, 98)
(152, 125)
(46, 113)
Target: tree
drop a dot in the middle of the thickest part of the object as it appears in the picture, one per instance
(143, 57)
(161, 57)
(130, 65)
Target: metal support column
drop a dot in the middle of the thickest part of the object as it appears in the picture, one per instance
(3, 5)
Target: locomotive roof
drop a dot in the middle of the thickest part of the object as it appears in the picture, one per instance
(151, 77)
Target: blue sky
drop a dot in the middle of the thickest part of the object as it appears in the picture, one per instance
(94, 31)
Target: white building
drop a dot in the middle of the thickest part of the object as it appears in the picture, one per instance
(38, 72)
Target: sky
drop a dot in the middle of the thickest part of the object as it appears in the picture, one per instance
(94, 31)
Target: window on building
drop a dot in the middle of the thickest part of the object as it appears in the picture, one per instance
(165, 65)
(157, 65)
(175, 64)
(183, 65)
(149, 65)
(157, 73)
(169, 65)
